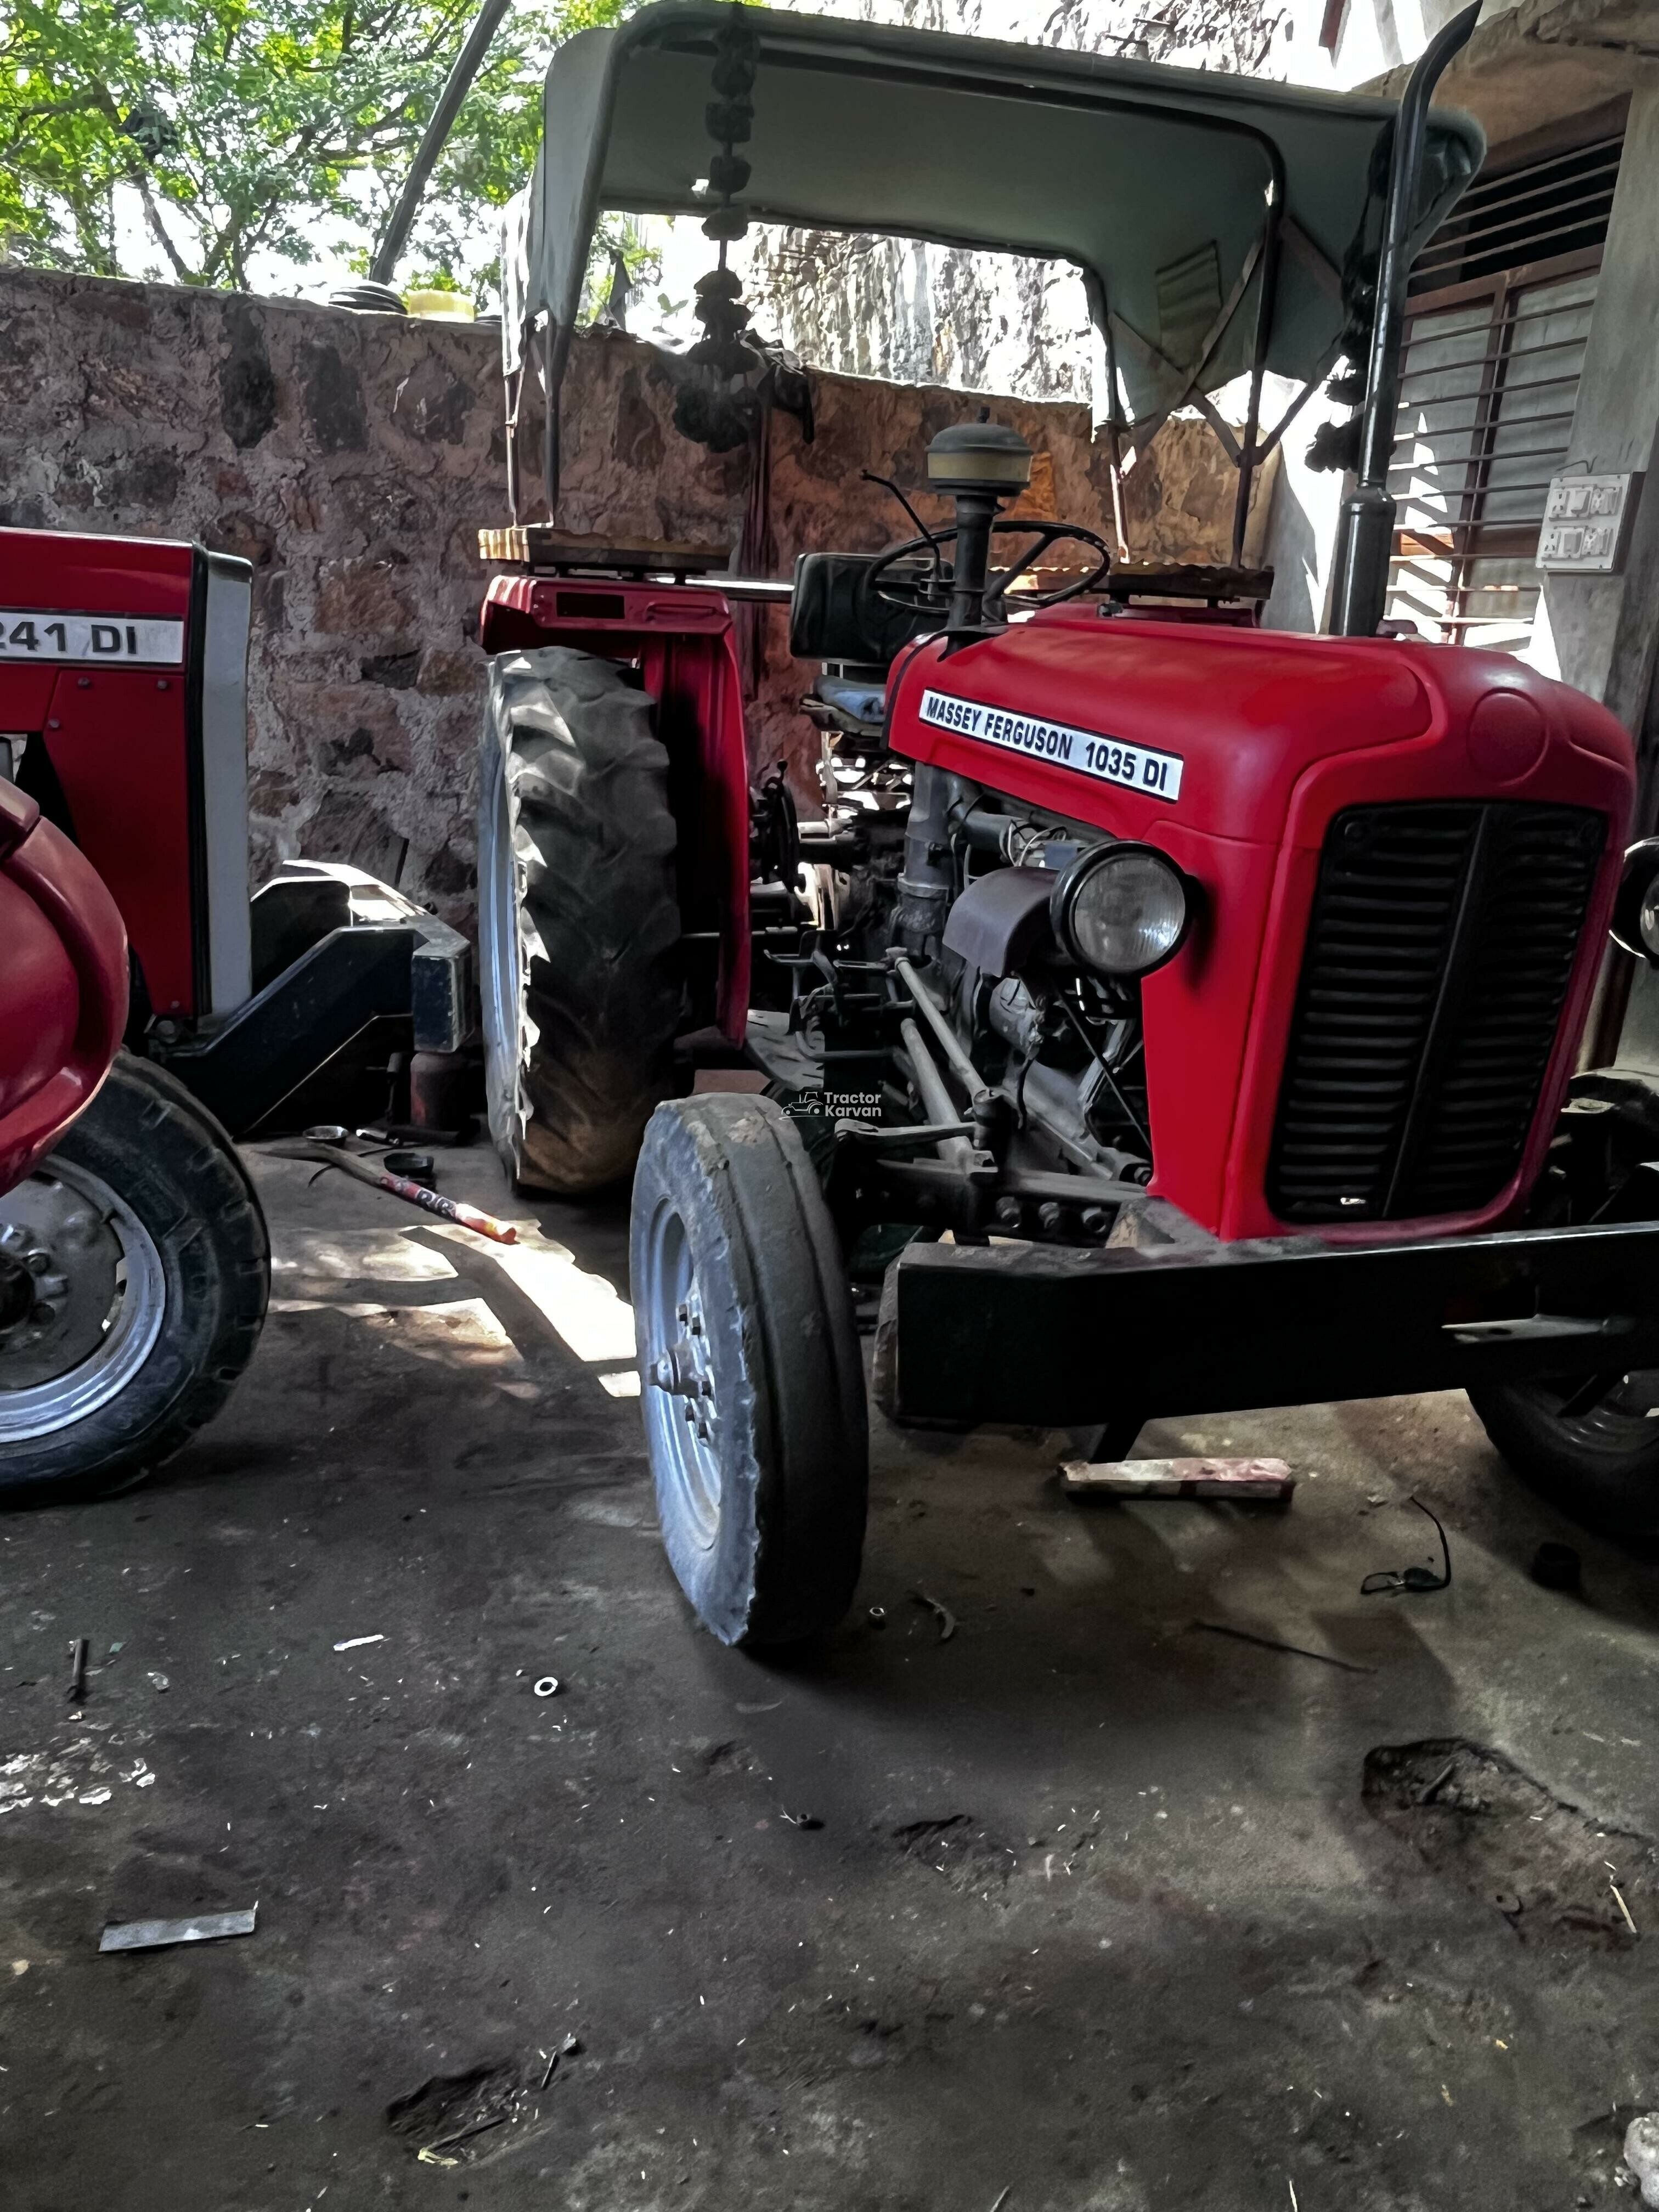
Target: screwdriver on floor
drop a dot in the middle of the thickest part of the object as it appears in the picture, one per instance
(323, 1143)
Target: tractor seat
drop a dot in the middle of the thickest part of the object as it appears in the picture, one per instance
(859, 694)
(833, 617)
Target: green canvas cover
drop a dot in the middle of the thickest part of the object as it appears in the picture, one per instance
(1155, 182)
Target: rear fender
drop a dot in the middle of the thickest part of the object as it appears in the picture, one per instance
(680, 637)
(62, 984)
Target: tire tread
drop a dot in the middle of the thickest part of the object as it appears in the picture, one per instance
(593, 848)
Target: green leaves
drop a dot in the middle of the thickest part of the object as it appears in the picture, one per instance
(245, 128)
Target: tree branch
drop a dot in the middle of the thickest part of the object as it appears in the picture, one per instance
(153, 217)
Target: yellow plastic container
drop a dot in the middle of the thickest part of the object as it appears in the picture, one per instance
(439, 307)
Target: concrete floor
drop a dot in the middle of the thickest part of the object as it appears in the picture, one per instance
(1097, 1915)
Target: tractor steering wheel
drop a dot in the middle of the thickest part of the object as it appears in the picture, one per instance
(930, 593)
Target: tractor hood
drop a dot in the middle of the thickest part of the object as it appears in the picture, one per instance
(1178, 192)
(1142, 727)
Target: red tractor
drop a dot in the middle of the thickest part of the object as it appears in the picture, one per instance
(1166, 1015)
(133, 1259)
(134, 1262)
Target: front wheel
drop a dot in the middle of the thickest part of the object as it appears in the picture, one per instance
(1590, 1446)
(750, 1370)
(134, 1272)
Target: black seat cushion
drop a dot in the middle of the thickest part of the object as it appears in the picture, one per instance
(832, 616)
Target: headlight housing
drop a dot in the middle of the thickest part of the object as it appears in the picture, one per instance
(1636, 909)
(1123, 910)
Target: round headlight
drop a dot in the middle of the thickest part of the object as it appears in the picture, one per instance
(1121, 908)
(1636, 909)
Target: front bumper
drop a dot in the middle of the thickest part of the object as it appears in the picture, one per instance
(1058, 1337)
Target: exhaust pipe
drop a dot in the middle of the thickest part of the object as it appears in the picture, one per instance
(1365, 537)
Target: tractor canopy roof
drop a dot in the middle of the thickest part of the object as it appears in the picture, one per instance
(1176, 191)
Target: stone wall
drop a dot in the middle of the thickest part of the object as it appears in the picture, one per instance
(352, 460)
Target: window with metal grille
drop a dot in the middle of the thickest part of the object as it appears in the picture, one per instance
(1499, 316)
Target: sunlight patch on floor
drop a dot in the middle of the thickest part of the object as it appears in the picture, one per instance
(583, 1310)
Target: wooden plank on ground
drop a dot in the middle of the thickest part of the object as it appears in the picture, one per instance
(1269, 1479)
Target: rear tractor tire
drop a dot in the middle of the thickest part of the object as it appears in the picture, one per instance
(579, 922)
(140, 1249)
(750, 1370)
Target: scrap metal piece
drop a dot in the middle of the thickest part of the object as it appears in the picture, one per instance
(1255, 1479)
(155, 1934)
(465, 2134)
(567, 2048)
(947, 1620)
(77, 1681)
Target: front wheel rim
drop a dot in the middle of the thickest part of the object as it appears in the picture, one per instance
(683, 1410)
(102, 1324)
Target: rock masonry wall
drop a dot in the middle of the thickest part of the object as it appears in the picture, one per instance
(352, 460)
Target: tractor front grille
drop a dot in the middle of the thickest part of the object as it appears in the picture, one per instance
(1437, 959)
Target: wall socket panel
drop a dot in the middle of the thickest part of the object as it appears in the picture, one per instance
(1587, 523)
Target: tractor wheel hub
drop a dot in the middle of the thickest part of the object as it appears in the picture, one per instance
(82, 1293)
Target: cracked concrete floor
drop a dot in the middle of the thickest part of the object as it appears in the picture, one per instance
(1096, 1914)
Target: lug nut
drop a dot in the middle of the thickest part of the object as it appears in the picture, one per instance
(1049, 1215)
(1010, 1212)
(1095, 1220)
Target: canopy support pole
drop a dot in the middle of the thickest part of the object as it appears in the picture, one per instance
(550, 455)
(1100, 314)
(1249, 459)
(514, 385)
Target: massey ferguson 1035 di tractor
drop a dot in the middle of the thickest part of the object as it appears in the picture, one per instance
(1192, 1008)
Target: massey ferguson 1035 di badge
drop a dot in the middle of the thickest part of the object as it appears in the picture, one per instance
(1136, 767)
(46, 636)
